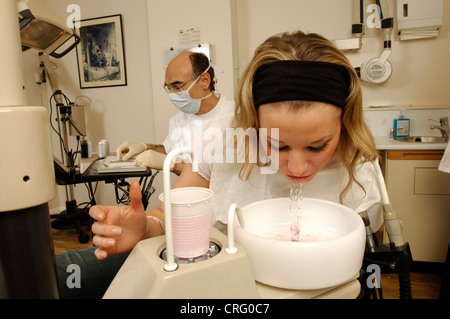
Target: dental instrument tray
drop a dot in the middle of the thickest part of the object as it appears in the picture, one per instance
(110, 164)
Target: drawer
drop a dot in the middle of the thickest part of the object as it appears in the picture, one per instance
(415, 155)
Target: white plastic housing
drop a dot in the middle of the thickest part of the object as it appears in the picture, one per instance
(11, 76)
(419, 19)
(26, 165)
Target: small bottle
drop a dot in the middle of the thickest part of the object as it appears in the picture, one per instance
(84, 148)
(402, 126)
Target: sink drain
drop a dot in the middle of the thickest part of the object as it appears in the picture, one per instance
(213, 250)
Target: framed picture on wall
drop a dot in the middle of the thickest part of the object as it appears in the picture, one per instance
(100, 54)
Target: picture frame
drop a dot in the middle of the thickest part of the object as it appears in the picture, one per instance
(100, 54)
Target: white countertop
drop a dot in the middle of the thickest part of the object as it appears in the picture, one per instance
(387, 143)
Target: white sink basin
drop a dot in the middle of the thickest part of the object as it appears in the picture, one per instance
(330, 250)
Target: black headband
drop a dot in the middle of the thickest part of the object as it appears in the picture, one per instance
(295, 80)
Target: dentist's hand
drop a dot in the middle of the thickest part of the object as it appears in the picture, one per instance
(128, 149)
(119, 228)
(151, 159)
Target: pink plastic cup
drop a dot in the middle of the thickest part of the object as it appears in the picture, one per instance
(191, 220)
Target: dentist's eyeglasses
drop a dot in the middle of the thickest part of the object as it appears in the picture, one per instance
(175, 88)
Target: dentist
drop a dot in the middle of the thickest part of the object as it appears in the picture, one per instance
(190, 84)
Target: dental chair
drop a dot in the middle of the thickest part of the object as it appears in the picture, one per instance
(390, 258)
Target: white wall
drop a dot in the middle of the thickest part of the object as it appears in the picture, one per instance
(140, 111)
(260, 19)
(420, 75)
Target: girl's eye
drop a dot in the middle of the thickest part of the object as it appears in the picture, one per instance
(276, 147)
(318, 149)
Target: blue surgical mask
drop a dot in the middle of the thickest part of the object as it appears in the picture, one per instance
(183, 101)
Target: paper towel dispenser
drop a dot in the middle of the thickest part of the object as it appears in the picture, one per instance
(418, 19)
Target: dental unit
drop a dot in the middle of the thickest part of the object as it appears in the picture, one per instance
(245, 263)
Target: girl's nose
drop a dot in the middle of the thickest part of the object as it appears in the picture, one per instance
(297, 164)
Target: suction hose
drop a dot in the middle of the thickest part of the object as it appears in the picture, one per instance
(394, 230)
(234, 208)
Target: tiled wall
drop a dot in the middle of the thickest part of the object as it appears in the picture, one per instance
(381, 121)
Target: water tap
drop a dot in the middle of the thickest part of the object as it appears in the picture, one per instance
(443, 127)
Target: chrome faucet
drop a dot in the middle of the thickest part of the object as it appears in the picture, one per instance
(443, 127)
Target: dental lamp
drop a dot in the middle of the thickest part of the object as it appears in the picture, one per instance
(28, 179)
(41, 29)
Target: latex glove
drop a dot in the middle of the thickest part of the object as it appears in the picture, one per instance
(128, 149)
(152, 159)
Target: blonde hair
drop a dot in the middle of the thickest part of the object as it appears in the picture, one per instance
(356, 142)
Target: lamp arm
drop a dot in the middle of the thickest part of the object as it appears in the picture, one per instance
(44, 60)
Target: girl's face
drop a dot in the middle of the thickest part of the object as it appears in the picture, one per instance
(308, 137)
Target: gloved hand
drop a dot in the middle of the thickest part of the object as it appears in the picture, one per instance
(128, 149)
(152, 159)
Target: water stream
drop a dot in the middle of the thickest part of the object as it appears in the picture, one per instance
(296, 196)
